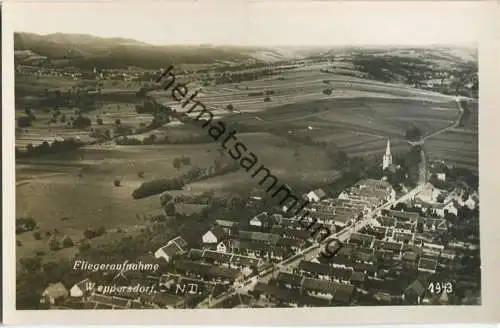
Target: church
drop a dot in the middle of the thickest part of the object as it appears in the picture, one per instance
(387, 159)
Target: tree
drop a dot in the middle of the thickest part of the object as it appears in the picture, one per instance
(165, 198)
(177, 163)
(84, 245)
(23, 122)
(117, 183)
(101, 231)
(169, 208)
(89, 233)
(82, 122)
(230, 107)
(99, 121)
(118, 121)
(37, 235)
(53, 243)
(67, 242)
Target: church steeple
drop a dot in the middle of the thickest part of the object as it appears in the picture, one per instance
(387, 159)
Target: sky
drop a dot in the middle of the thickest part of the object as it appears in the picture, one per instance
(264, 23)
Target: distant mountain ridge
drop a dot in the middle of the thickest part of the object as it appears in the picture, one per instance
(87, 51)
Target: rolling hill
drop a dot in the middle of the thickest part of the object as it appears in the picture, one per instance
(86, 51)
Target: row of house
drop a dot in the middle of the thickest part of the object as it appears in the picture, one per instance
(295, 291)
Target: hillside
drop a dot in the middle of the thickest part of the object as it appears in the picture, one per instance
(87, 51)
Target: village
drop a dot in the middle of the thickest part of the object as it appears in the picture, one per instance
(409, 247)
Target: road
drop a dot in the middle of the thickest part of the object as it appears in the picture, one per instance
(424, 174)
(450, 127)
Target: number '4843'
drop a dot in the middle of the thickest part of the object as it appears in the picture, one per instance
(437, 287)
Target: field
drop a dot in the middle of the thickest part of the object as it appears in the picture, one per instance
(289, 135)
(456, 148)
(51, 189)
(358, 116)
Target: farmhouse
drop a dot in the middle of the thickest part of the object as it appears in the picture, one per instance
(263, 237)
(229, 227)
(451, 208)
(415, 291)
(431, 248)
(431, 224)
(213, 236)
(289, 280)
(208, 271)
(257, 249)
(261, 220)
(403, 237)
(315, 195)
(325, 272)
(389, 246)
(288, 297)
(291, 233)
(109, 302)
(224, 246)
(174, 247)
(327, 289)
(81, 288)
(448, 254)
(54, 293)
(427, 265)
(231, 260)
(472, 201)
(361, 239)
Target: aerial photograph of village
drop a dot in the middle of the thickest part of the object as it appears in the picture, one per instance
(155, 175)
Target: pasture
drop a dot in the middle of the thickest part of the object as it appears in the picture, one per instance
(82, 189)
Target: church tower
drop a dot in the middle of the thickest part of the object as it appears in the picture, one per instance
(387, 159)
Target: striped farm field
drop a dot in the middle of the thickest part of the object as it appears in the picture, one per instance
(460, 148)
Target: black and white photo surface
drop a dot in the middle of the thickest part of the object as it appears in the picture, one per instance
(259, 155)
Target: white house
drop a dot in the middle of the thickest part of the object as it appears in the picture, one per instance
(261, 220)
(213, 236)
(344, 195)
(449, 207)
(173, 247)
(472, 202)
(54, 293)
(81, 288)
(315, 195)
(224, 246)
(448, 254)
(432, 248)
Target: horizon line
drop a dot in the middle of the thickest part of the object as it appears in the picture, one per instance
(372, 45)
